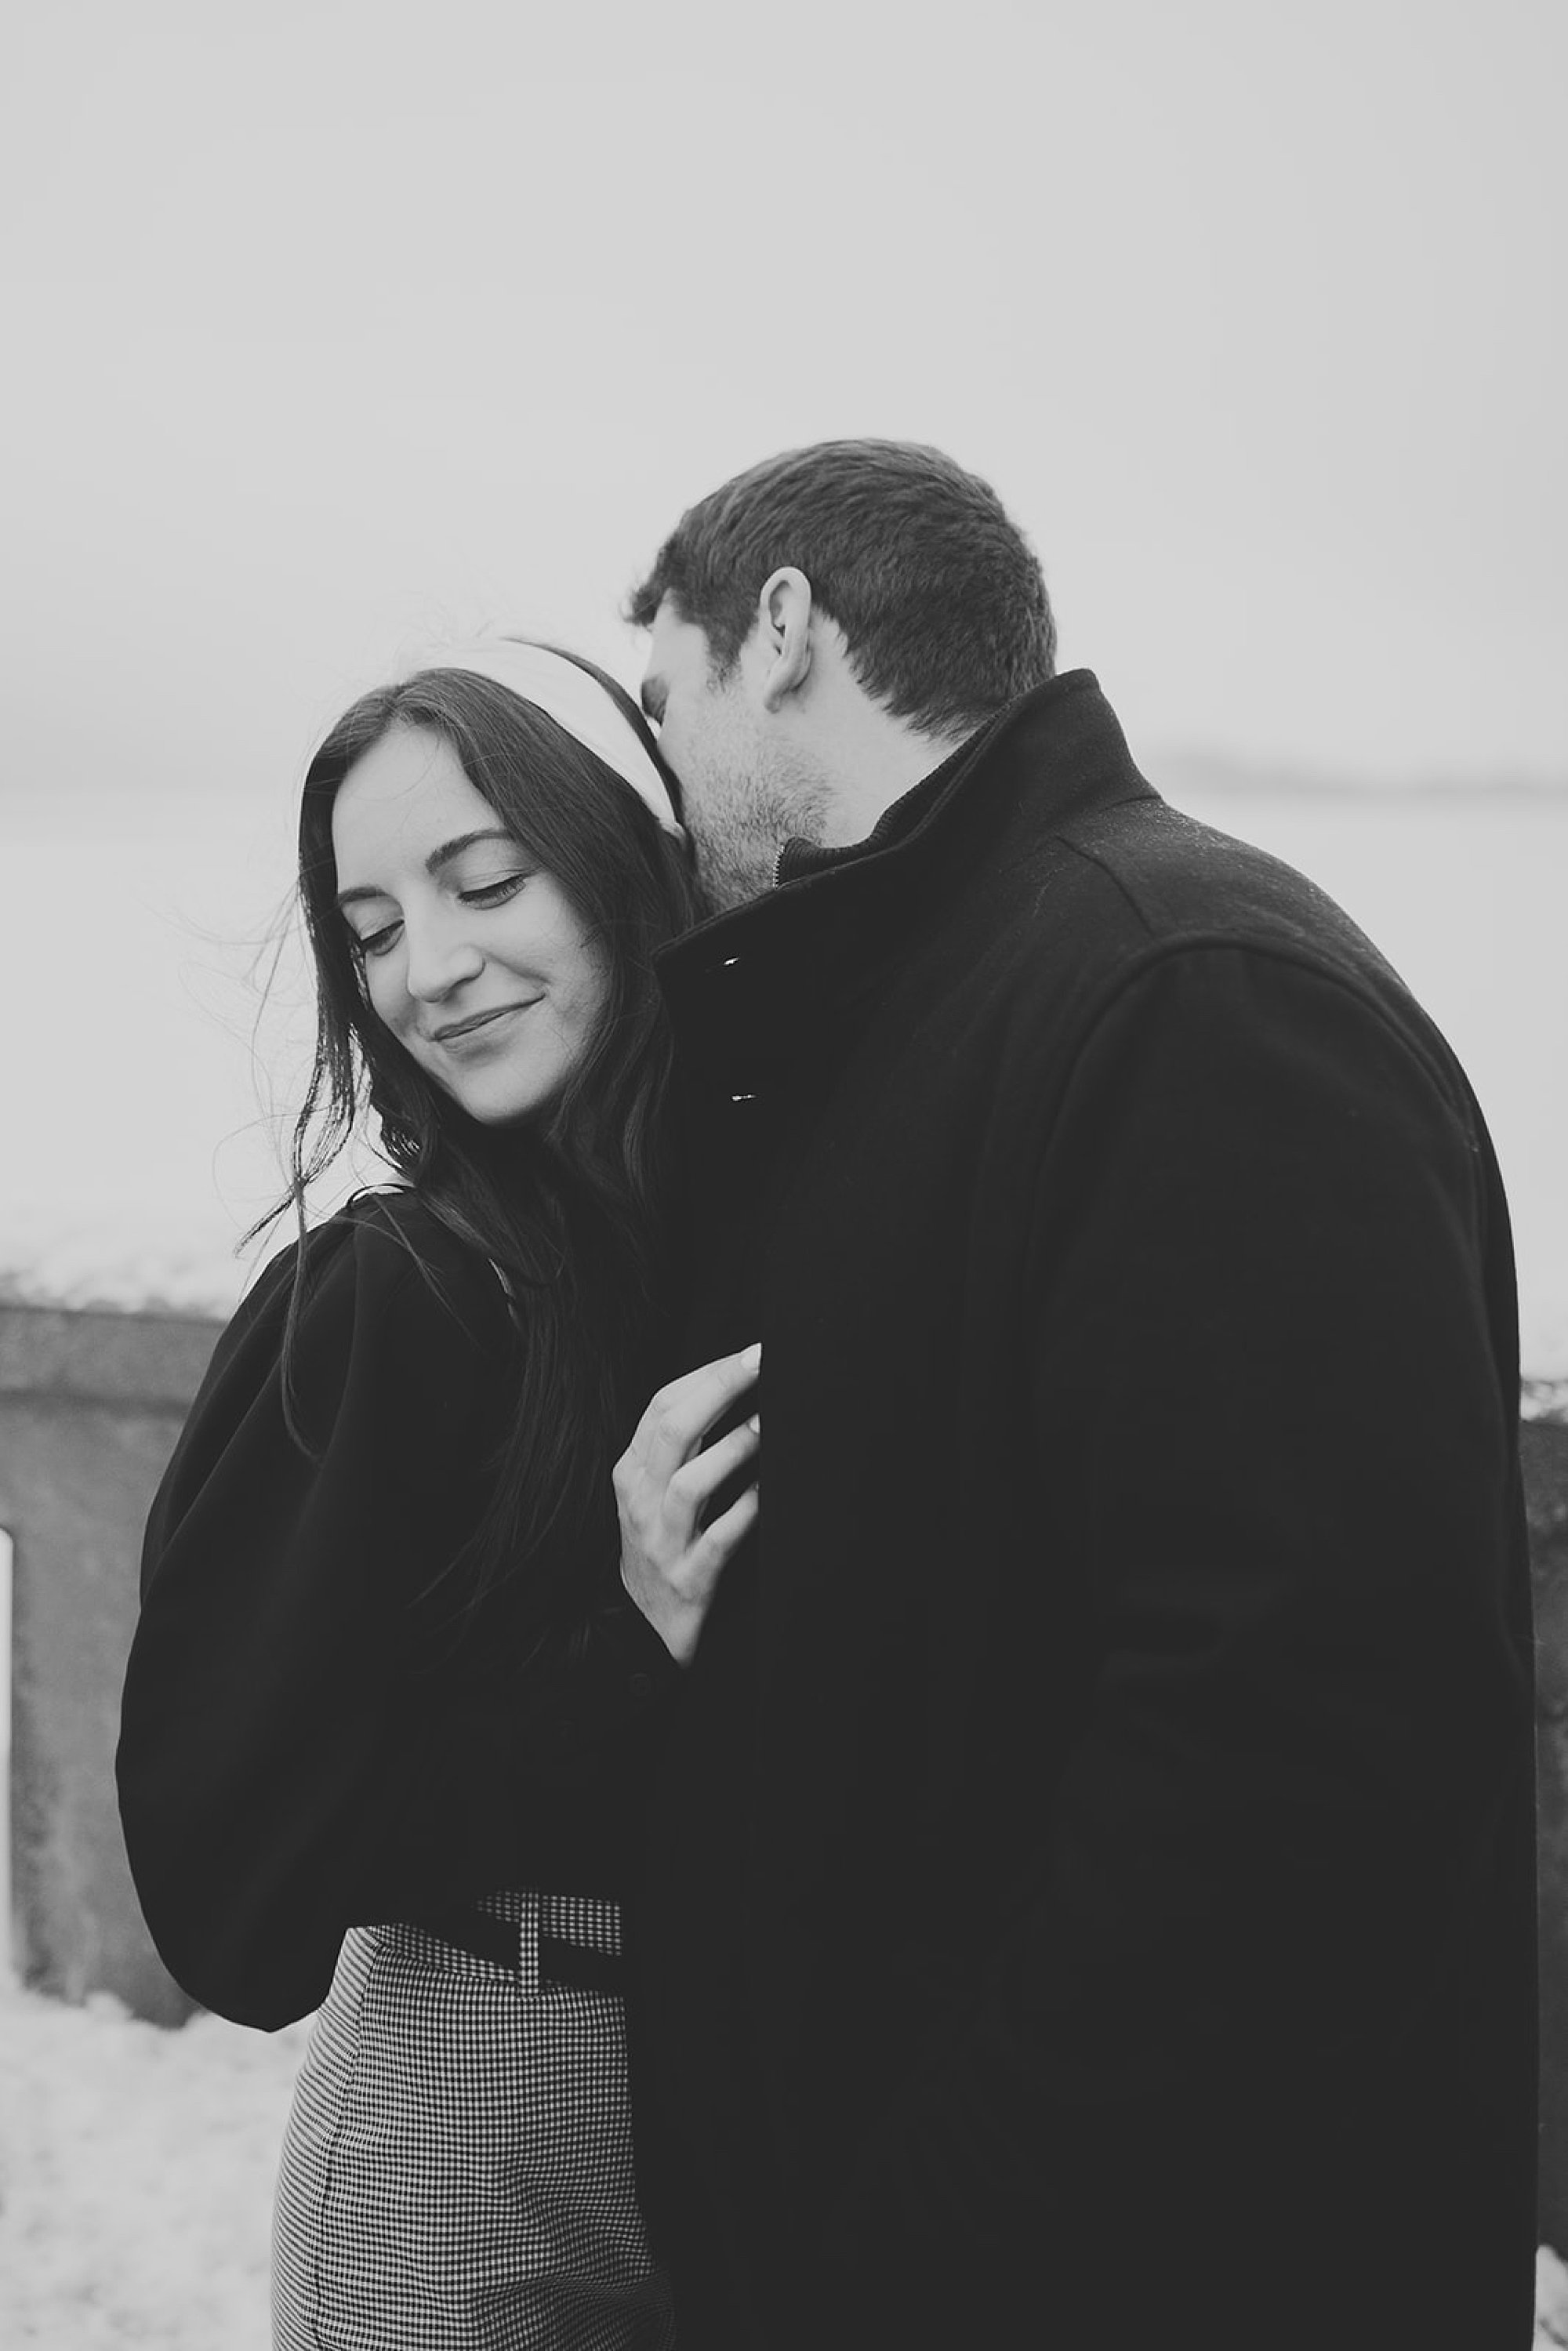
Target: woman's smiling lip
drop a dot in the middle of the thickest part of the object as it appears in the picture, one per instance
(457, 1030)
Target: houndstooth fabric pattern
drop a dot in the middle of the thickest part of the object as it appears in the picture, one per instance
(457, 2167)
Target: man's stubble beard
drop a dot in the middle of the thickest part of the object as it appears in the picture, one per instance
(740, 819)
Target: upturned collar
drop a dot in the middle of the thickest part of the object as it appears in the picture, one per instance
(751, 988)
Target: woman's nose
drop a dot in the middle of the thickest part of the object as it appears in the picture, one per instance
(439, 961)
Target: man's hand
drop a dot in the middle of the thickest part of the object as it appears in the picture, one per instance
(670, 1562)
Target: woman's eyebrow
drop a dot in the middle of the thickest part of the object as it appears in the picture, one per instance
(450, 848)
(434, 862)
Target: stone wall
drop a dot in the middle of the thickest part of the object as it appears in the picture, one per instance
(91, 1406)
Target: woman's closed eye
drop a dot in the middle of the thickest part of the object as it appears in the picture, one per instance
(494, 894)
(378, 941)
(481, 895)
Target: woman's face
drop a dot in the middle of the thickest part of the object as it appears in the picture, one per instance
(476, 961)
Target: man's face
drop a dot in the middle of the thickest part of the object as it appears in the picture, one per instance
(748, 785)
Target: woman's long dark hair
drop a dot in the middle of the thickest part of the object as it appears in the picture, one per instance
(570, 1209)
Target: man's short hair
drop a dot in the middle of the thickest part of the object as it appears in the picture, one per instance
(940, 597)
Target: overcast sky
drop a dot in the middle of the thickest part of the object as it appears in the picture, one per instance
(343, 325)
(337, 327)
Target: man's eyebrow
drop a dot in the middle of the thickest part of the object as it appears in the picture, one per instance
(435, 861)
(653, 694)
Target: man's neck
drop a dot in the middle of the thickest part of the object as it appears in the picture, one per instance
(871, 775)
(799, 858)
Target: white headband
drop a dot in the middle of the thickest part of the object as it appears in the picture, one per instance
(574, 700)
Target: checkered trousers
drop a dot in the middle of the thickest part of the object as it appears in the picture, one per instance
(457, 2167)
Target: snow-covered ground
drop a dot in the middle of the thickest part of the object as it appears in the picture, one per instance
(136, 2173)
(136, 2170)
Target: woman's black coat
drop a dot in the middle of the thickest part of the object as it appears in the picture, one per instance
(314, 1736)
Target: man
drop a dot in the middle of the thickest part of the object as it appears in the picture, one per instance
(1091, 1902)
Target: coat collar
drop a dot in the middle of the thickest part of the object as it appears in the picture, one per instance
(750, 987)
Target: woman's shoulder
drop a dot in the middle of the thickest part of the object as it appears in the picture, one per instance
(385, 1262)
(379, 1326)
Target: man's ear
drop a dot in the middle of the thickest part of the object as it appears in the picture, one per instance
(784, 635)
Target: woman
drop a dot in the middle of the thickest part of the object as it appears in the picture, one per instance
(386, 1670)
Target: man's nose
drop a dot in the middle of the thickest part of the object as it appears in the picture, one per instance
(439, 960)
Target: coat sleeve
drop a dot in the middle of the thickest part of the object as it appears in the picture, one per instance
(300, 1750)
(1271, 1411)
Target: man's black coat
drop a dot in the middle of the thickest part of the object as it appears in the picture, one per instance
(1093, 1883)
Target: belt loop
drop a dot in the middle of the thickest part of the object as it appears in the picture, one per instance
(528, 1946)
